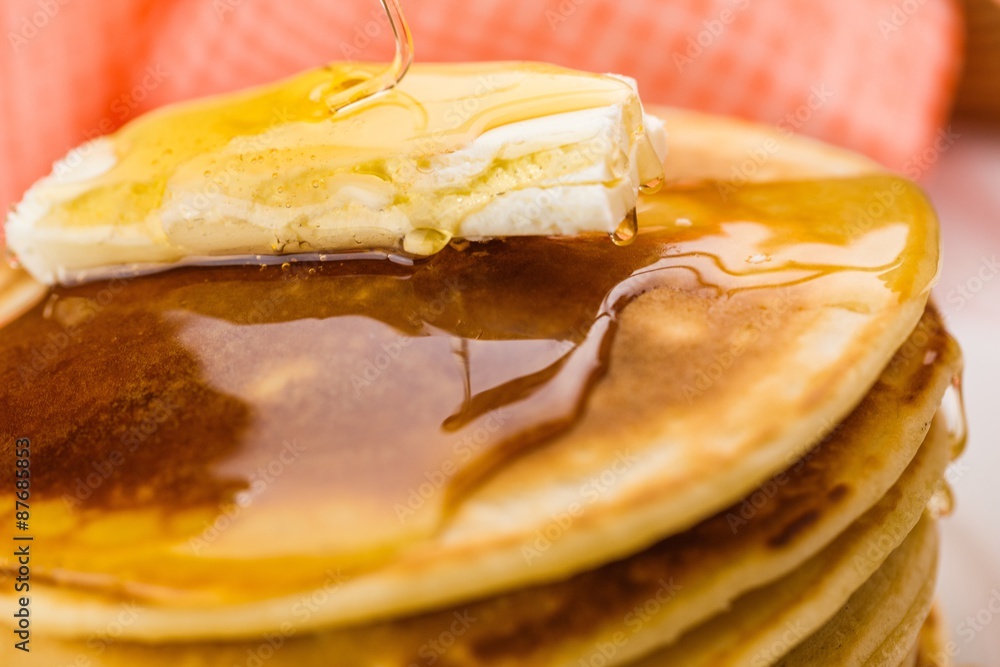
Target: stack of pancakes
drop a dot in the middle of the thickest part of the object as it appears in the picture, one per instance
(754, 481)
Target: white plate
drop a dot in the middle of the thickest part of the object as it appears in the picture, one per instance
(965, 186)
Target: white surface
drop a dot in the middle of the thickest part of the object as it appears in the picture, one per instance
(965, 187)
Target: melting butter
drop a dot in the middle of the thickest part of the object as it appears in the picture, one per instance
(452, 151)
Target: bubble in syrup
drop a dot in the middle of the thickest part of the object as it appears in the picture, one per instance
(627, 230)
(652, 186)
(286, 266)
(758, 258)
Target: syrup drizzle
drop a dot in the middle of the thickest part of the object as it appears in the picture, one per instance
(953, 410)
(627, 229)
(942, 502)
(368, 85)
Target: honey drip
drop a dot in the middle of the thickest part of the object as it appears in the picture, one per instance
(627, 229)
(942, 502)
(649, 164)
(953, 410)
(425, 241)
(390, 390)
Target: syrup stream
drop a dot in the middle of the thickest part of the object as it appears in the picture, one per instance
(391, 75)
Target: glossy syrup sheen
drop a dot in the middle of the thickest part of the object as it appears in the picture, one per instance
(365, 397)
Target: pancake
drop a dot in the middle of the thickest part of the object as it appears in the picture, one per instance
(735, 152)
(766, 623)
(840, 285)
(880, 622)
(625, 609)
(18, 293)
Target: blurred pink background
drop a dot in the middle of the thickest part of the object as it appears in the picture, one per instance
(874, 75)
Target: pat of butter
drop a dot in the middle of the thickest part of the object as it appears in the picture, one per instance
(471, 151)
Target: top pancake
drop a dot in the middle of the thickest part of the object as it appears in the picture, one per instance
(796, 547)
(717, 379)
